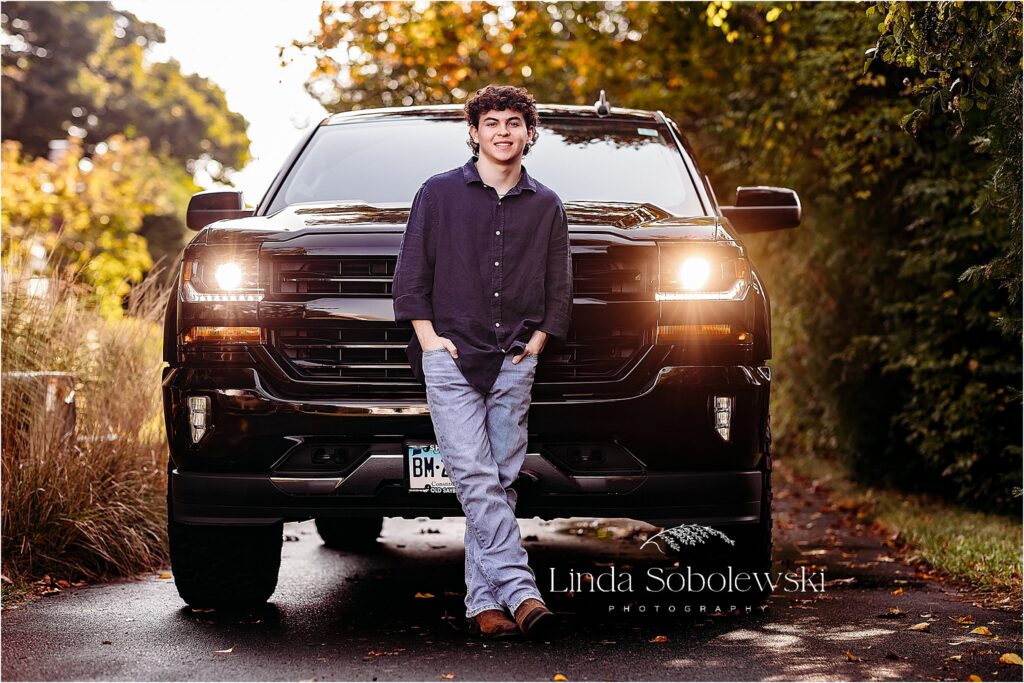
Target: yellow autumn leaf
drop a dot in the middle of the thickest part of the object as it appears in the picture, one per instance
(659, 639)
(923, 626)
(448, 677)
(423, 595)
(974, 677)
(852, 657)
(981, 631)
(559, 677)
(165, 575)
(1011, 658)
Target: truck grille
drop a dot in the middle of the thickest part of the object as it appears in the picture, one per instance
(334, 276)
(355, 350)
(619, 277)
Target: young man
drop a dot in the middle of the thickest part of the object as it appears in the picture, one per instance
(485, 276)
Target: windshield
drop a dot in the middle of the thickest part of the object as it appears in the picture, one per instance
(387, 161)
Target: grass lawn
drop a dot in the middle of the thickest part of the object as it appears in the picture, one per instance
(975, 548)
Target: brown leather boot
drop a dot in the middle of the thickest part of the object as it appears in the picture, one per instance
(494, 623)
(534, 619)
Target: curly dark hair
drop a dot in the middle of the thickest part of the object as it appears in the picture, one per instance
(502, 97)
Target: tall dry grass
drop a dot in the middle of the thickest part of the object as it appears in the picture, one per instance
(87, 504)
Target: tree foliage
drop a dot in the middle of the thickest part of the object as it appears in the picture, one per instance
(971, 83)
(77, 73)
(884, 353)
(84, 213)
(79, 67)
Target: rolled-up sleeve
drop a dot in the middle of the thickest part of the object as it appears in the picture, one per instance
(558, 279)
(414, 270)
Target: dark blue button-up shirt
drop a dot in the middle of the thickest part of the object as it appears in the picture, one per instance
(487, 270)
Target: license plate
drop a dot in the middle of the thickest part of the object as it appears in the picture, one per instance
(425, 471)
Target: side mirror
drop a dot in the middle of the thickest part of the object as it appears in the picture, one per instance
(760, 209)
(214, 205)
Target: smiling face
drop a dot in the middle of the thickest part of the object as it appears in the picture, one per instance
(502, 135)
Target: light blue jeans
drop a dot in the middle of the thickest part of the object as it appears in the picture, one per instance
(483, 440)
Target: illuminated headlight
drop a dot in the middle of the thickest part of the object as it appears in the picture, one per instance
(229, 276)
(210, 278)
(693, 273)
(696, 277)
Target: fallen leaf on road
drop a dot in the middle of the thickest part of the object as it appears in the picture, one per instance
(225, 652)
(898, 591)
(1011, 658)
(852, 657)
(166, 575)
(63, 584)
(659, 639)
(955, 658)
(559, 677)
(447, 677)
(892, 613)
(981, 631)
(974, 677)
(842, 582)
(969, 619)
(923, 626)
(423, 595)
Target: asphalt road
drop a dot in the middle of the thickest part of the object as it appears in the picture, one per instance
(396, 614)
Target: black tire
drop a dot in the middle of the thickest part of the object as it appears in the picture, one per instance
(349, 533)
(224, 566)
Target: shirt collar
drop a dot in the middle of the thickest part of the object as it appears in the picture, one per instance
(472, 175)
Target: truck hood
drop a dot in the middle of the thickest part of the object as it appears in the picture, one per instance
(630, 220)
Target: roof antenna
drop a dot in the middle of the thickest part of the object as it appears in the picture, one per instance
(602, 107)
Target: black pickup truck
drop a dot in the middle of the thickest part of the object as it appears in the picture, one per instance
(288, 393)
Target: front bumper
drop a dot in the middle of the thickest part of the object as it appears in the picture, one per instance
(375, 488)
(654, 456)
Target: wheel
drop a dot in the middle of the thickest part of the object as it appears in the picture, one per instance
(224, 566)
(349, 533)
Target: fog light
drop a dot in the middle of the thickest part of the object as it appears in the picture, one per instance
(198, 416)
(224, 335)
(723, 415)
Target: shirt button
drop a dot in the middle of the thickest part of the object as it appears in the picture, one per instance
(495, 263)
(497, 232)
(497, 324)
(495, 294)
